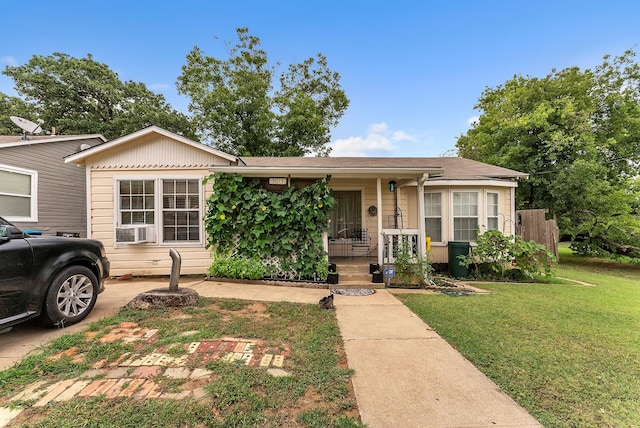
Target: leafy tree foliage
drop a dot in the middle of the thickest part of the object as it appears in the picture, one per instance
(577, 133)
(236, 107)
(13, 106)
(83, 96)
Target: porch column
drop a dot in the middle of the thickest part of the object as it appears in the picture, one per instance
(422, 234)
(379, 218)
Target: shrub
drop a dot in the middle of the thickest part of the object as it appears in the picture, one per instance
(497, 256)
(410, 268)
(238, 267)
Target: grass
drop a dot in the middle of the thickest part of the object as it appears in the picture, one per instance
(569, 354)
(317, 392)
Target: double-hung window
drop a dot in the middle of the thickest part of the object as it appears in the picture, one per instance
(18, 194)
(465, 216)
(180, 210)
(433, 216)
(492, 211)
(171, 205)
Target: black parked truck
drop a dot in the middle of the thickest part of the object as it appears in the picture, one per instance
(55, 278)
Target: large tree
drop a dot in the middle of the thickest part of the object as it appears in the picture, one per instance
(83, 96)
(238, 107)
(577, 133)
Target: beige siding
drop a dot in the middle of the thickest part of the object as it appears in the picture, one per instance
(439, 251)
(151, 157)
(141, 259)
(156, 151)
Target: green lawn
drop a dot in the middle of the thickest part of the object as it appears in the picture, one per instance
(569, 354)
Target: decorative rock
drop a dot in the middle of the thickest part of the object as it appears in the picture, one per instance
(278, 372)
(163, 297)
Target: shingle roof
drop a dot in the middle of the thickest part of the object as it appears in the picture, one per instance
(455, 168)
(17, 140)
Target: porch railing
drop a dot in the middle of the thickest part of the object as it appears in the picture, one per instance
(394, 239)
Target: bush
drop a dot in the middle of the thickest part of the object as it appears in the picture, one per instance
(497, 256)
(238, 267)
(410, 269)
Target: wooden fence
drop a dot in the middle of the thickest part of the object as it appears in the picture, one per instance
(532, 225)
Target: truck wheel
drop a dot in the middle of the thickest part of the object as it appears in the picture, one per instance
(71, 297)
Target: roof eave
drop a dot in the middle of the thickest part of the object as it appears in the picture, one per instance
(317, 172)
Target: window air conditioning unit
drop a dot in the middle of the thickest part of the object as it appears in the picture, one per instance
(134, 234)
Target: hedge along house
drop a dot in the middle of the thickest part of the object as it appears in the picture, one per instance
(145, 196)
(387, 199)
(38, 191)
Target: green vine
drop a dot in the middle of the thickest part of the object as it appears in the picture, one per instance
(283, 230)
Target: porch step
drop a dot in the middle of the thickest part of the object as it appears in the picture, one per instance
(354, 273)
(354, 277)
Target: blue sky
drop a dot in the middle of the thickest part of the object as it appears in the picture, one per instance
(413, 70)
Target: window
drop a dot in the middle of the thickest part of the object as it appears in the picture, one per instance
(492, 211)
(433, 216)
(18, 195)
(137, 202)
(346, 214)
(178, 215)
(465, 216)
(181, 210)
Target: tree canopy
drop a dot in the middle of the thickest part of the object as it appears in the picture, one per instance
(239, 108)
(577, 133)
(83, 96)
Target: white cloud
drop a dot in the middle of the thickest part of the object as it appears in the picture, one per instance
(473, 120)
(403, 136)
(378, 141)
(9, 60)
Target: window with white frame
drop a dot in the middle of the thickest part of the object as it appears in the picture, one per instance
(177, 216)
(181, 210)
(465, 216)
(18, 194)
(492, 211)
(137, 202)
(433, 216)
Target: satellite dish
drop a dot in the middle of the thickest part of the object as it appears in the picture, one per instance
(85, 146)
(27, 126)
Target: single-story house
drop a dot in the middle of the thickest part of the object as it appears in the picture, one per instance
(145, 195)
(38, 190)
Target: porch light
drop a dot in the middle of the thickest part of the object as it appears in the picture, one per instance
(392, 186)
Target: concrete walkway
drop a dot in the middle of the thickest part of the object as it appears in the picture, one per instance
(405, 374)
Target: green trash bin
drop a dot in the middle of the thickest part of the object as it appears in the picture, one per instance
(458, 248)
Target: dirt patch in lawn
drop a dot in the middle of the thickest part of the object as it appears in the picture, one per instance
(222, 361)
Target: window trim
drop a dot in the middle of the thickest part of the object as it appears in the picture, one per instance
(158, 210)
(486, 209)
(441, 216)
(33, 203)
(478, 215)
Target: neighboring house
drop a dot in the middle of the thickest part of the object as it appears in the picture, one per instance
(146, 196)
(38, 190)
